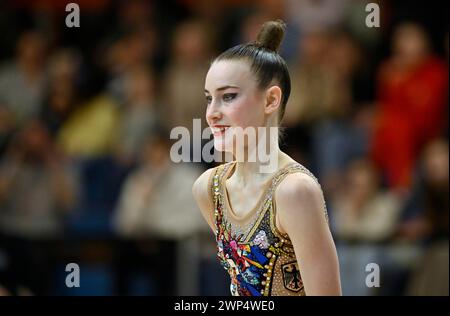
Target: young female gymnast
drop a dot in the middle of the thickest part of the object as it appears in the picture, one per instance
(271, 228)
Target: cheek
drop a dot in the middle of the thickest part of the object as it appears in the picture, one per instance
(246, 112)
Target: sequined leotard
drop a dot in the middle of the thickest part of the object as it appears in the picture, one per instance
(258, 257)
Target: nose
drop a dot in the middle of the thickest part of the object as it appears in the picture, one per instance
(213, 113)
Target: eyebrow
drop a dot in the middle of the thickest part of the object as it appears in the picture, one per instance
(223, 88)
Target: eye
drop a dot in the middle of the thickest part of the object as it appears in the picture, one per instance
(208, 99)
(227, 97)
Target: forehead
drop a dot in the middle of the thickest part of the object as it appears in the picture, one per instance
(229, 72)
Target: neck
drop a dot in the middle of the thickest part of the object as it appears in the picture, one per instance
(250, 172)
(259, 161)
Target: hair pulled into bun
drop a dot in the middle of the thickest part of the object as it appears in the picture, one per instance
(271, 35)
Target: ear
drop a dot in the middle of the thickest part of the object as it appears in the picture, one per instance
(273, 99)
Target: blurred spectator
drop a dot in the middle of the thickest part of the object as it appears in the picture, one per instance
(33, 167)
(133, 48)
(430, 276)
(155, 205)
(21, 84)
(154, 201)
(412, 92)
(182, 97)
(22, 80)
(92, 129)
(306, 105)
(362, 210)
(321, 108)
(209, 14)
(139, 118)
(426, 214)
(61, 93)
(38, 189)
(436, 190)
(320, 85)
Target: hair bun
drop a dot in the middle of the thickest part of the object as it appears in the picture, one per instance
(271, 35)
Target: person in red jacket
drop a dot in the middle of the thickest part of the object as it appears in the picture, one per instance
(412, 93)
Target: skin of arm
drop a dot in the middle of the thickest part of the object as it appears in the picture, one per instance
(203, 198)
(300, 212)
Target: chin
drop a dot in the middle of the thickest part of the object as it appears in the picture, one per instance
(223, 146)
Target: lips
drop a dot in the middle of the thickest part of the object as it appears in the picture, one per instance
(219, 130)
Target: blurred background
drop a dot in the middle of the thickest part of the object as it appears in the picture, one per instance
(85, 117)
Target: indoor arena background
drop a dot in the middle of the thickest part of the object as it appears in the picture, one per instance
(86, 113)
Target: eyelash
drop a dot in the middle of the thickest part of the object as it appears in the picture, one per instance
(227, 97)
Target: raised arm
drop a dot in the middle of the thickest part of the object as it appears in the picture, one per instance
(300, 211)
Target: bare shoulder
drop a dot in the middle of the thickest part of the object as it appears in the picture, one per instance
(202, 195)
(298, 186)
(200, 187)
(301, 214)
(299, 197)
(299, 182)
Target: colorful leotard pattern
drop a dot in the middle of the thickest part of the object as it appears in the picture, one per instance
(258, 257)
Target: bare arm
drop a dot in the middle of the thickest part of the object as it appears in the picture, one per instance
(202, 195)
(300, 211)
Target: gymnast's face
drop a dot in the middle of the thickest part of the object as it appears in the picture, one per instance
(233, 100)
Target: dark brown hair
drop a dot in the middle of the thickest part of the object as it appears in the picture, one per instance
(265, 62)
